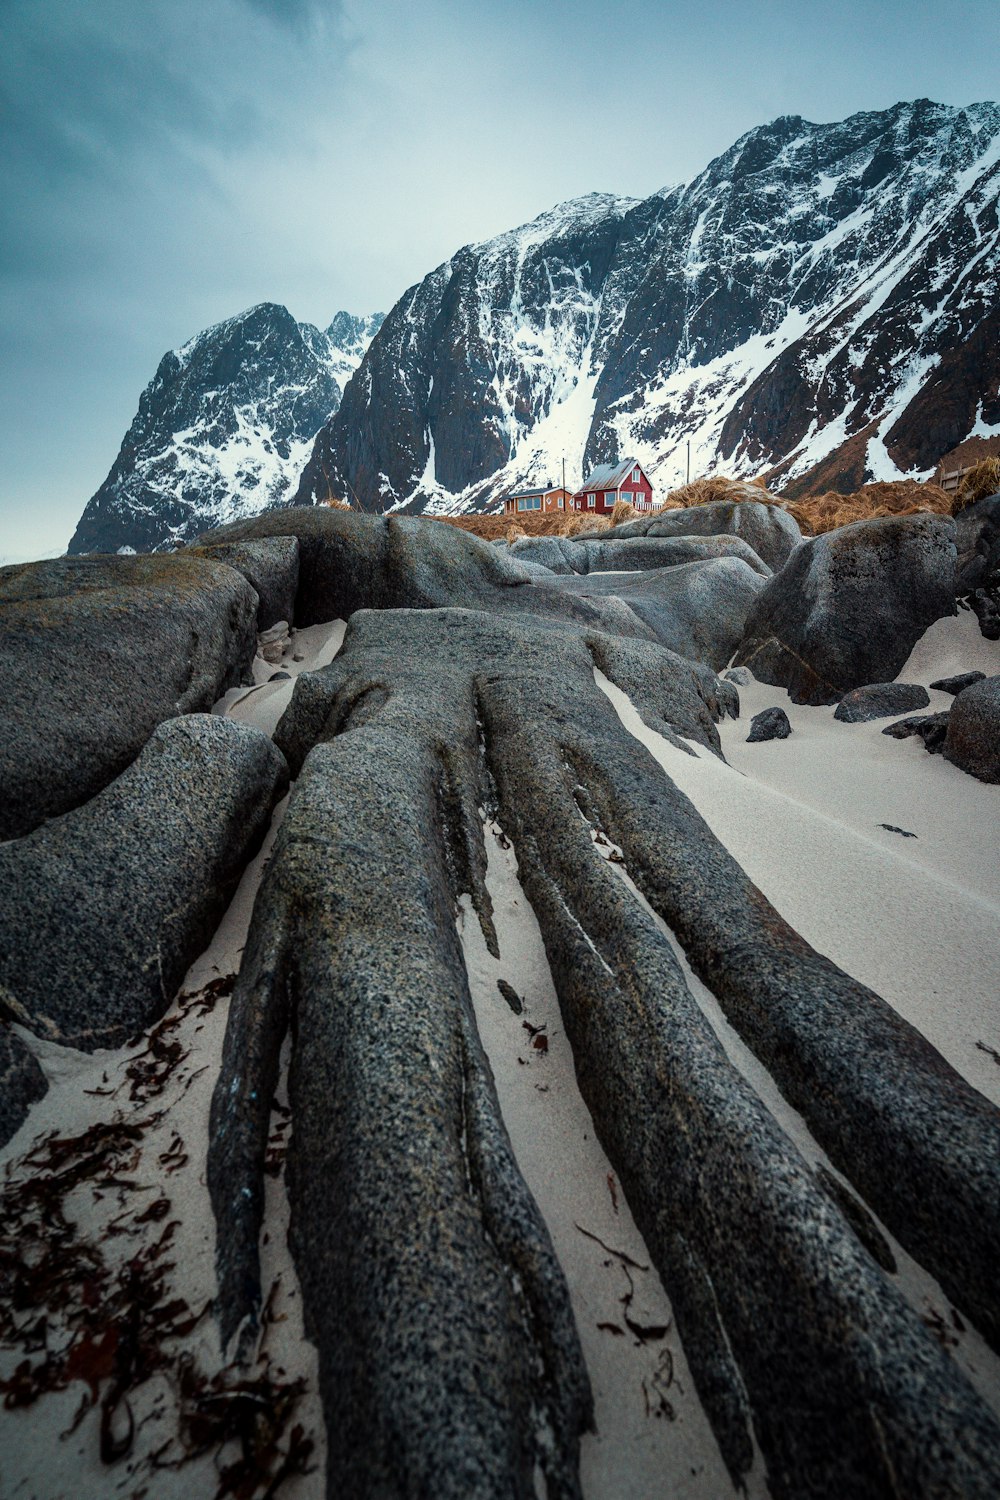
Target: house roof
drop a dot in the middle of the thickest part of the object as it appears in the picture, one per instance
(545, 489)
(608, 476)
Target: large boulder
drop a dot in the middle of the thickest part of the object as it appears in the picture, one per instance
(977, 539)
(103, 910)
(424, 721)
(350, 561)
(770, 531)
(270, 566)
(880, 700)
(96, 652)
(973, 739)
(848, 607)
(699, 609)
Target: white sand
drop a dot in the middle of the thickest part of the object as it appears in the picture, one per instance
(804, 827)
(639, 1451)
(263, 704)
(917, 919)
(41, 1462)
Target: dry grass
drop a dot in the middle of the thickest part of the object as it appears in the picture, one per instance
(332, 503)
(717, 487)
(903, 497)
(982, 479)
(550, 523)
(623, 511)
(815, 513)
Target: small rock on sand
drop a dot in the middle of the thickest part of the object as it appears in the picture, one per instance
(769, 724)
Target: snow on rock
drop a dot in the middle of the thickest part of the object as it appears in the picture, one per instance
(224, 428)
(818, 301)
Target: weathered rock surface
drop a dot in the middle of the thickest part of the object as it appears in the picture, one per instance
(880, 700)
(350, 562)
(698, 609)
(96, 652)
(977, 540)
(769, 724)
(849, 606)
(617, 554)
(958, 683)
(741, 676)
(270, 567)
(931, 728)
(771, 532)
(432, 1289)
(973, 739)
(103, 909)
(786, 1321)
(22, 1082)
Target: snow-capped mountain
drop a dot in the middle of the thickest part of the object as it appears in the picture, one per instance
(819, 303)
(224, 428)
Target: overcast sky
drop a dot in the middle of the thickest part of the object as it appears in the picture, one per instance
(169, 162)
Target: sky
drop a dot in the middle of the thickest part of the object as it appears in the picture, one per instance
(165, 164)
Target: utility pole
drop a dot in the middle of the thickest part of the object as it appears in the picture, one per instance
(688, 480)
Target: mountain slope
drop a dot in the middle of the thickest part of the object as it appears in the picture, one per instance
(223, 428)
(819, 302)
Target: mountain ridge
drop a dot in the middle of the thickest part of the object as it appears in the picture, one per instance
(226, 422)
(816, 306)
(714, 322)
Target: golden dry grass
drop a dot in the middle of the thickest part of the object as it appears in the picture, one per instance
(332, 503)
(551, 523)
(717, 487)
(902, 497)
(623, 511)
(814, 513)
(982, 479)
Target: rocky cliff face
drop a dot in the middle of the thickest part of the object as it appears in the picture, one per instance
(818, 305)
(819, 302)
(223, 428)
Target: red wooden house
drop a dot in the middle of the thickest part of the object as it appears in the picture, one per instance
(610, 482)
(533, 502)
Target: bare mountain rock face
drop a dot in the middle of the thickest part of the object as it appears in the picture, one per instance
(223, 428)
(818, 305)
(819, 302)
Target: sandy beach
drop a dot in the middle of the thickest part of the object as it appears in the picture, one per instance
(914, 917)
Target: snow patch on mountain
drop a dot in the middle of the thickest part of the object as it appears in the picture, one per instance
(225, 427)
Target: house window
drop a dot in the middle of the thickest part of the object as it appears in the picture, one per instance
(559, 502)
(535, 503)
(635, 476)
(591, 499)
(609, 498)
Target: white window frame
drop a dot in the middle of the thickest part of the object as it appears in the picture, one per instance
(591, 501)
(636, 476)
